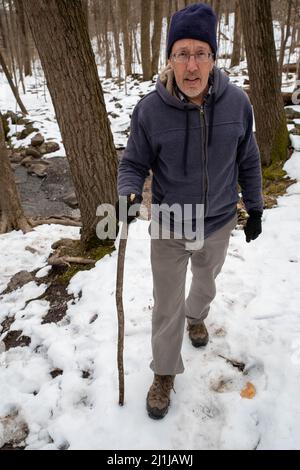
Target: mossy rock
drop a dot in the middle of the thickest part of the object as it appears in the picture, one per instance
(292, 113)
(295, 131)
(17, 118)
(26, 132)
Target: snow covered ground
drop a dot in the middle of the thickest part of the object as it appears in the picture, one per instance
(254, 319)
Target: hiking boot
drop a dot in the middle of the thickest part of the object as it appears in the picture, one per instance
(158, 398)
(198, 334)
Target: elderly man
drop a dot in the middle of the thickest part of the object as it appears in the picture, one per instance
(195, 133)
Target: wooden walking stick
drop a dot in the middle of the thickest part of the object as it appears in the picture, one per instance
(119, 301)
(120, 309)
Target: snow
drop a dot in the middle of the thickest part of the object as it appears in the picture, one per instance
(254, 319)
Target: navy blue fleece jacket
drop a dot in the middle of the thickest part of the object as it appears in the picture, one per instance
(194, 157)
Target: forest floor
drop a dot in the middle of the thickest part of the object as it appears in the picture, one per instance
(59, 386)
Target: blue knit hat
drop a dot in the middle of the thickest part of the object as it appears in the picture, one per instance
(197, 21)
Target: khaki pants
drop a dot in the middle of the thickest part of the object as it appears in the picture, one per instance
(169, 260)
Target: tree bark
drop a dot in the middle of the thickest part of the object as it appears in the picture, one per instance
(156, 37)
(24, 36)
(11, 213)
(59, 29)
(145, 39)
(12, 85)
(116, 34)
(284, 37)
(10, 45)
(124, 13)
(108, 73)
(271, 129)
(236, 51)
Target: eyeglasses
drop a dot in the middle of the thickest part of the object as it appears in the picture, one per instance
(184, 57)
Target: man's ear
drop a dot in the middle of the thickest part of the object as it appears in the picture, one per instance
(170, 64)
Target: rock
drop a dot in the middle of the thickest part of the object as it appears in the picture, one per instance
(18, 280)
(34, 152)
(113, 115)
(14, 165)
(26, 132)
(31, 249)
(71, 200)
(63, 242)
(292, 113)
(16, 158)
(13, 429)
(48, 147)
(295, 131)
(38, 169)
(27, 161)
(37, 140)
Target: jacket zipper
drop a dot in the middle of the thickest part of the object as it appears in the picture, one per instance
(205, 159)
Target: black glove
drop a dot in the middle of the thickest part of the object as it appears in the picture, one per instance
(252, 228)
(123, 205)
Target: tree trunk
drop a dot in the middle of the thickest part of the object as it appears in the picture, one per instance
(156, 37)
(271, 129)
(59, 29)
(169, 15)
(106, 40)
(145, 39)
(124, 13)
(3, 34)
(116, 34)
(136, 48)
(284, 38)
(297, 85)
(24, 36)
(11, 212)
(11, 84)
(236, 51)
(96, 17)
(16, 41)
(10, 45)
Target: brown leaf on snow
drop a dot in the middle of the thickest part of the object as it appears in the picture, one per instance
(249, 391)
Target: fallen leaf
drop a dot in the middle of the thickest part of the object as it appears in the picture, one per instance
(249, 391)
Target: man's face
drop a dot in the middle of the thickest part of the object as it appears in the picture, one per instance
(191, 77)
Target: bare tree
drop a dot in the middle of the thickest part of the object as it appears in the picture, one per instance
(124, 13)
(14, 89)
(145, 39)
(116, 35)
(237, 39)
(271, 129)
(59, 29)
(285, 33)
(156, 37)
(108, 73)
(11, 213)
(23, 32)
(10, 44)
